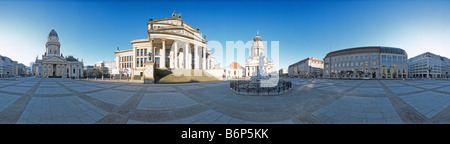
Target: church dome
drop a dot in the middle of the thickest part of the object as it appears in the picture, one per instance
(53, 33)
(257, 38)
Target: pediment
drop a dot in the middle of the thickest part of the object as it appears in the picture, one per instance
(55, 59)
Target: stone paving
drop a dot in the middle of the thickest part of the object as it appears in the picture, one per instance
(319, 101)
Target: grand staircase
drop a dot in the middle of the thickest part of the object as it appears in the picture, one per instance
(184, 76)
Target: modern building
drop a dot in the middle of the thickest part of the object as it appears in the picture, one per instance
(32, 69)
(7, 67)
(307, 68)
(429, 65)
(106, 67)
(54, 64)
(15, 68)
(284, 72)
(374, 62)
(234, 71)
(172, 43)
(22, 70)
(257, 55)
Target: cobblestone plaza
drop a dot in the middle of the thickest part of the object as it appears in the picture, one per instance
(319, 101)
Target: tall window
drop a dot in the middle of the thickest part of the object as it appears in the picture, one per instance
(142, 62)
(157, 62)
(137, 62)
(142, 52)
(145, 52)
(351, 58)
(168, 62)
(367, 57)
(356, 57)
(137, 53)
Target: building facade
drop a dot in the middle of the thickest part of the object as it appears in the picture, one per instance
(257, 55)
(32, 69)
(22, 70)
(54, 65)
(284, 72)
(234, 71)
(374, 62)
(307, 68)
(7, 67)
(429, 65)
(172, 43)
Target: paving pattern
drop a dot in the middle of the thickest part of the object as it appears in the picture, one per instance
(310, 101)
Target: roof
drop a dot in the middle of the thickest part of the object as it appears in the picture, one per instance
(71, 58)
(374, 49)
(257, 38)
(235, 65)
(53, 33)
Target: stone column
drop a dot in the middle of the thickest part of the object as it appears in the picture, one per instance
(151, 50)
(208, 63)
(133, 60)
(186, 58)
(204, 58)
(175, 60)
(162, 61)
(44, 72)
(190, 58)
(171, 57)
(76, 72)
(58, 70)
(196, 59)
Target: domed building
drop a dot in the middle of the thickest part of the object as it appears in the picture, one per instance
(257, 55)
(53, 64)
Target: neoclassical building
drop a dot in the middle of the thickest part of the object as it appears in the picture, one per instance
(173, 43)
(374, 62)
(307, 68)
(53, 64)
(234, 71)
(257, 55)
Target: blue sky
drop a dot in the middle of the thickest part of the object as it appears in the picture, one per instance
(92, 30)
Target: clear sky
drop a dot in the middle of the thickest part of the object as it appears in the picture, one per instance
(92, 30)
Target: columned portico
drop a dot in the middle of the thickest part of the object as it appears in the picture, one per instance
(54, 64)
(185, 47)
